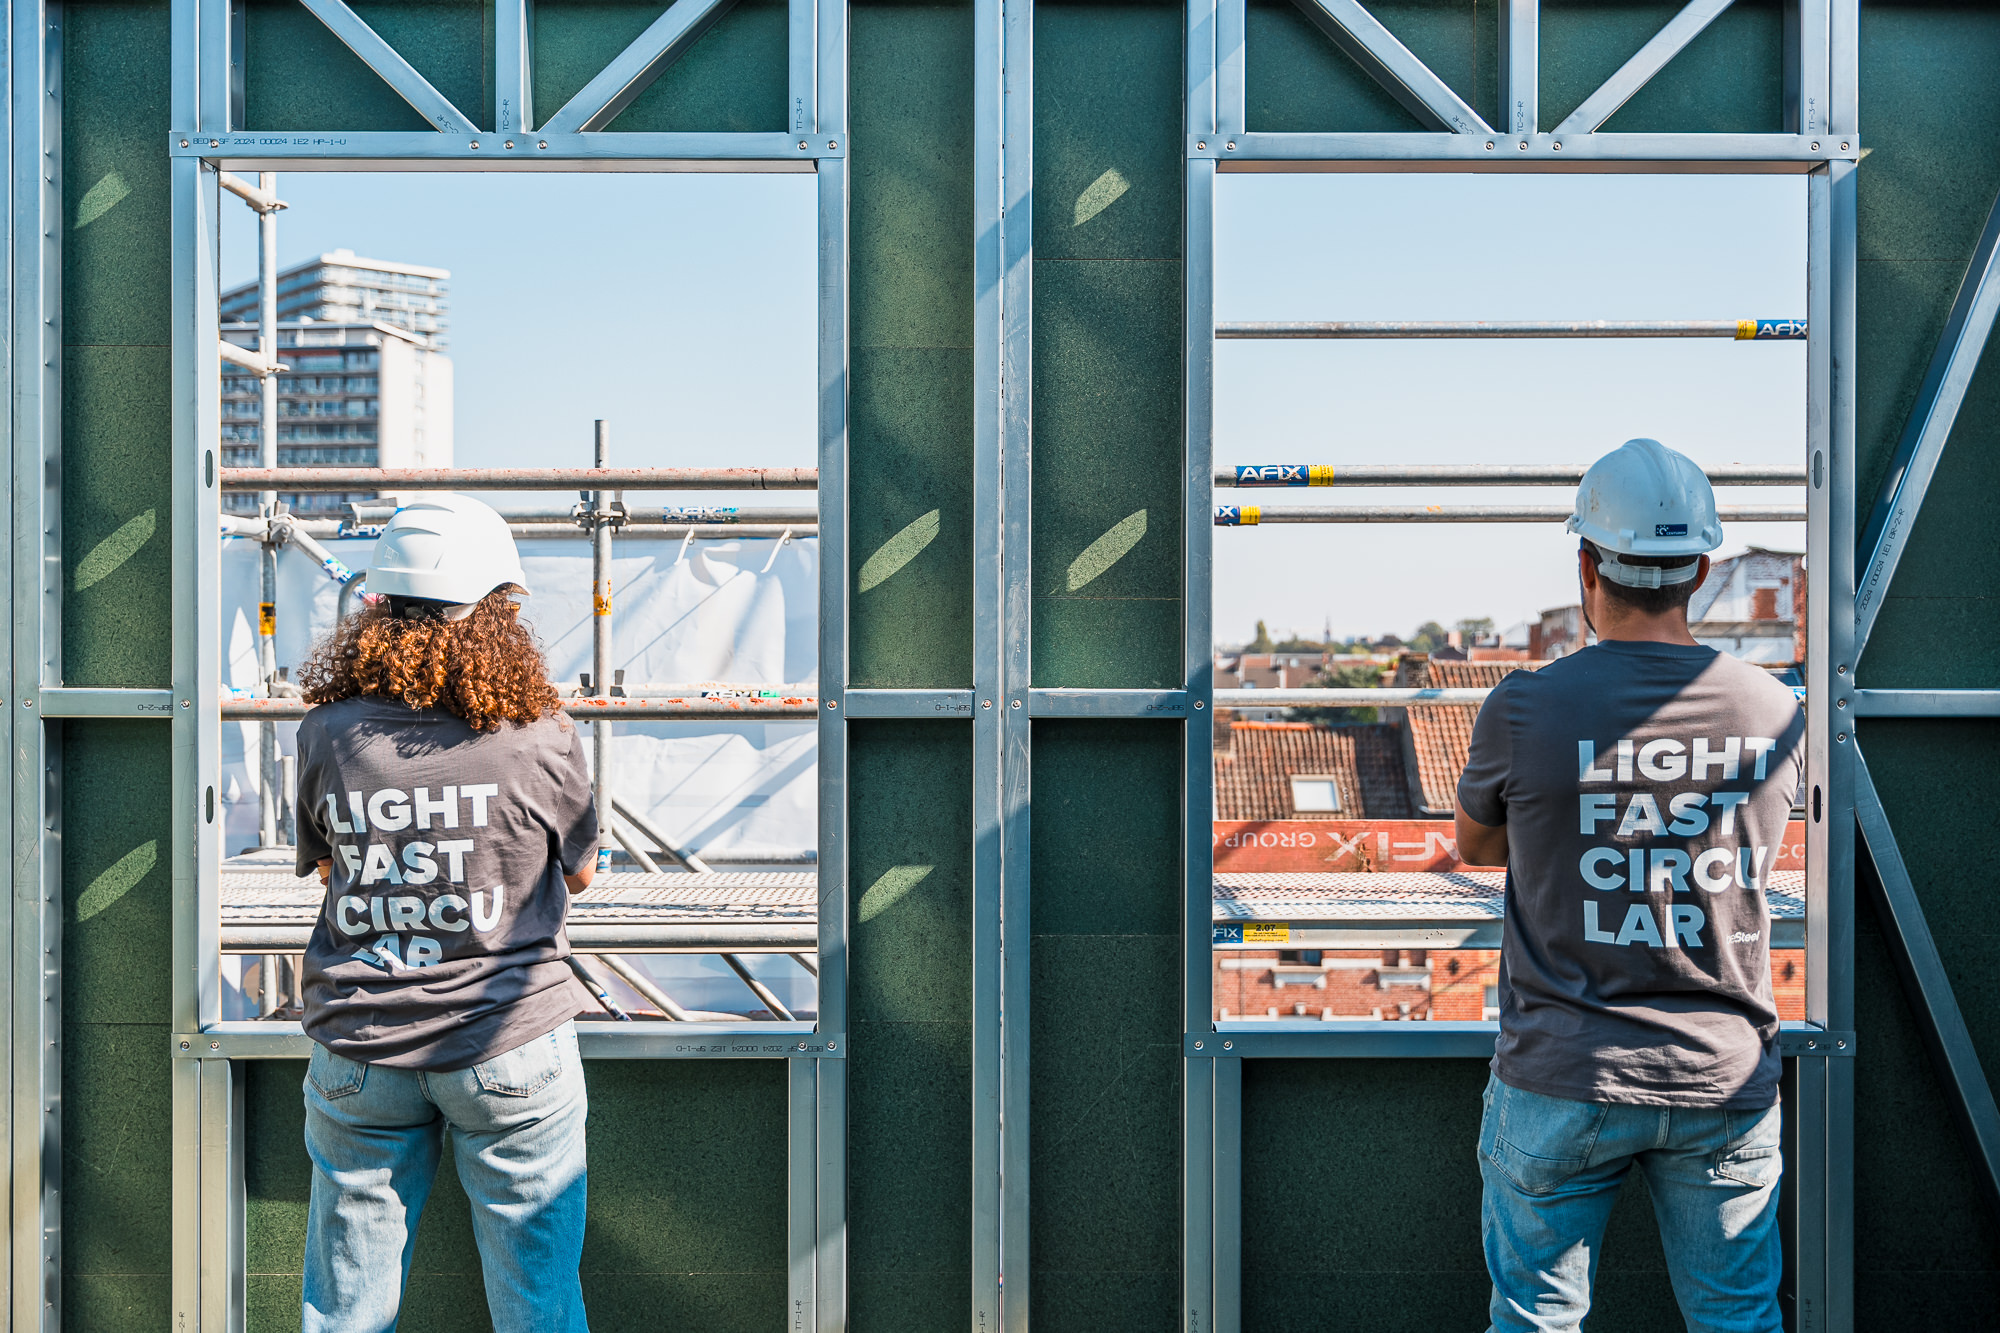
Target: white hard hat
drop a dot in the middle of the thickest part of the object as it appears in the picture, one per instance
(1643, 498)
(445, 548)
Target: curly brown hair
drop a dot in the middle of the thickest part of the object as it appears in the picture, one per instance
(485, 668)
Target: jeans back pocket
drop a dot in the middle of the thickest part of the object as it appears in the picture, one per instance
(526, 1069)
(1540, 1142)
(334, 1075)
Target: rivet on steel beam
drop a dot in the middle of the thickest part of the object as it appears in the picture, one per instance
(1841, 737)
(186, 1044)
(1524, 145)
(510, 143)
(833, 1046)
(1815, 146)
(215, 1046)
(27, 703)
(475, 143)
(1840, 703)
(1489, 145)
(1199, 705)
(985, 703)
(1197, 1046)
(215, 143)
(1228, 1045)
(1843, 146)
(1842, 1043)
(184, 143)
(1811, 1045)
(184, 703)
(1200, 145)
(1231, 145)
(802, 1046)
(833, 703)
(1840, 670)
(1557, 145)
(832, 144)
(542, 144)
(802, 145)
(1015, 704)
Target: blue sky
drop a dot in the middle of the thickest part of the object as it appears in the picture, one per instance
(680, 307)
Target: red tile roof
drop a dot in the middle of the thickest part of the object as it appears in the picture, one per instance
(1441, 734)
(1252, 775)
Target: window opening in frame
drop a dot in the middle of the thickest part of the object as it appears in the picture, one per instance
(1402, 412)
(661, 322)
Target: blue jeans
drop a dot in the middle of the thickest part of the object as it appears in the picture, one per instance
(1552, 1169)
(375, 1135)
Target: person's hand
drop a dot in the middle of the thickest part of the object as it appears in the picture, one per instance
(325, 869)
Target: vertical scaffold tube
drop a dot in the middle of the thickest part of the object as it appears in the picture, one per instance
(600, 637)
(267, 504)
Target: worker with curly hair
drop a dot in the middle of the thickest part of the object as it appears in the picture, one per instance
(444, 801)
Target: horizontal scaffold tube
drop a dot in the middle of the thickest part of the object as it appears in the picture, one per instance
(1471, 474)
(1742, 330)
(326, 529)
(693, 709)
(635, 515)
(597, 936)
(520, 479)
(1250, 516)
(1345, 698)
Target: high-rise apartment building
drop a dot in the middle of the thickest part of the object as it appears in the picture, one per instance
(338, 287)
(356, 394)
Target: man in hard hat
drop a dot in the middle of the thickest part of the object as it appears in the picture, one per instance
(444, 800)
(1637, 792)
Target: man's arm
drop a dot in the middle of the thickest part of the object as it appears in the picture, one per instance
(1480, 844)
(581, 879)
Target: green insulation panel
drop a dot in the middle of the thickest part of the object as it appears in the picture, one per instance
(1107, 346)
(909, 1101)
(910, 347)
(1361, 1205)
(687, 1203)
(1104, 1033)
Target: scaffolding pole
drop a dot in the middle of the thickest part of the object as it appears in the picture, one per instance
(600, 633)
(268, 833)
(692, 709)
(1250, 516)
(520, 478)
(1740, 330)
(1257, 475)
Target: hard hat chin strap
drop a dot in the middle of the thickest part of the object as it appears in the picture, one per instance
(1645, 576)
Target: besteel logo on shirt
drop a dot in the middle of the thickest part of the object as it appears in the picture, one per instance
(398, 917)
(1688, 814)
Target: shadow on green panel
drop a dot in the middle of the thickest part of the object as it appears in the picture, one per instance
(910, 1074)
(732, 80)
(687, 1202)
(1361, 1204)
(299, 76)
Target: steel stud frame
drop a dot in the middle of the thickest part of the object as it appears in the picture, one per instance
(1845, 592)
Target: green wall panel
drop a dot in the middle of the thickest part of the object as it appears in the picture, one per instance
(1104, 1032)
(909, 1231)
(910, 392)
(1361, 1205)
(299, 76)
(117, 501)
(733, 79)
(687, 1203)
(116, 1152)
(1296, 80)
(1728, 80)
(1929, 73)
(1107, 347)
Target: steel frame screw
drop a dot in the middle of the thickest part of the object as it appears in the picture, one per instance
(1200, 145)
(1197, 1046)
(985, 703)
(1840, 703)
(832, 144)
(185, 1045)
(1557, 145)
(1199, 705)
(1524, 145)
(184, 143)
(542, 144)
(1015, 704)
(1843, 146)
(1228, 1045)
(1231, 145)
(1489, 145)
(833, 1046)
(802, 145)
(1841, 1044)
(215, 1046)
(833, 703)
(510, 143)
(1841, 737)
(475, 143)
(215, 143)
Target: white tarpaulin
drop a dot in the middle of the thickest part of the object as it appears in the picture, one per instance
(742, 611)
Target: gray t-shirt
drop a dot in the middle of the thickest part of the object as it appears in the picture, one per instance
(440, 943)
(1645, 788)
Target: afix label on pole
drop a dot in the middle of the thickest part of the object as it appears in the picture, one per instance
(1751, 330)
(1284, 474)
(1326, 846)
(1237, 516)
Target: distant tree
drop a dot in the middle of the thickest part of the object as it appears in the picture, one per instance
(1350, 677)
(1262, 643)
(1475, 628)
(1430, 637)
(1298, 645)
